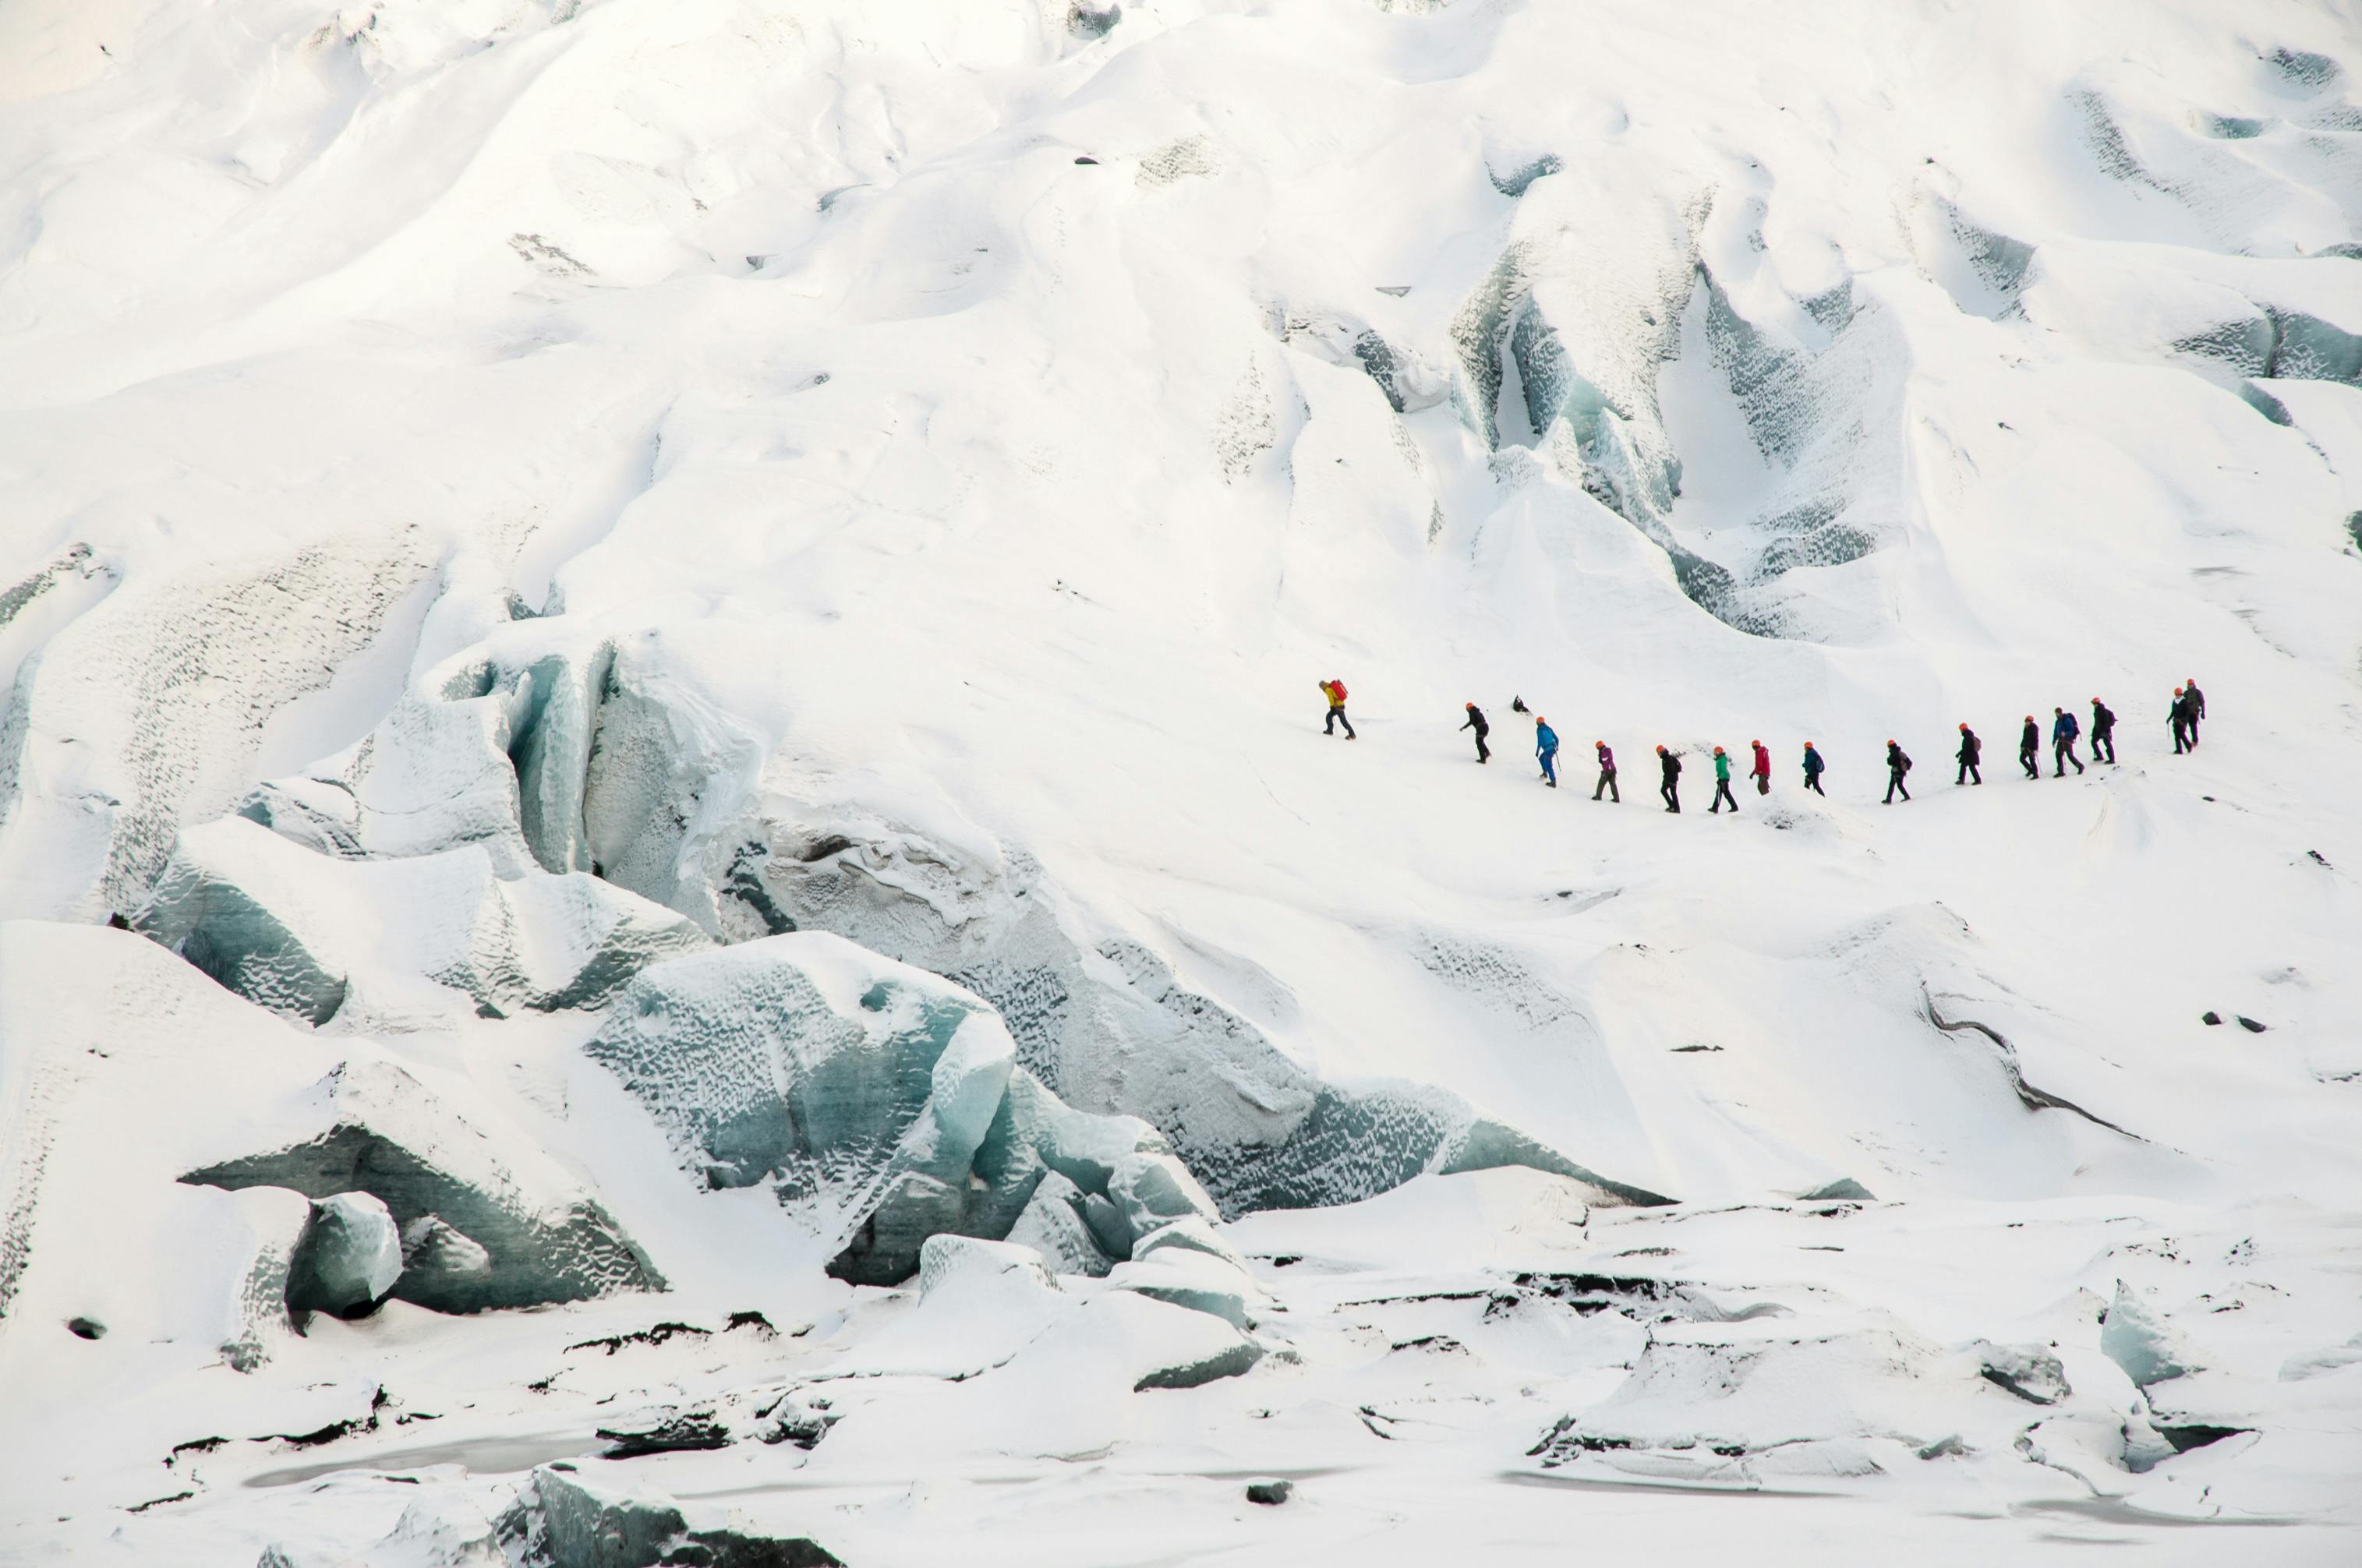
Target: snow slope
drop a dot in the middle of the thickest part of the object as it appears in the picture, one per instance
(505, 496)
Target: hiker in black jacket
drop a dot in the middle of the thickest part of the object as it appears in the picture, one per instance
(2178, 716)
(1476, 722)
(1897, 764)
(1970, 750)
(2029, 749)
(2197, 700)
(2103, 731)
(1672, 788)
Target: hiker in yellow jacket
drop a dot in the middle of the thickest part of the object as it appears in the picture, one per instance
(1334, 690)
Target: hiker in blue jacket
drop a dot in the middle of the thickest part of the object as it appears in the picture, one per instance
(2063, 730)
(1814, 769)
(1546, 747)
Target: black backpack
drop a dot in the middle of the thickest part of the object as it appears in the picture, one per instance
(1903, 760)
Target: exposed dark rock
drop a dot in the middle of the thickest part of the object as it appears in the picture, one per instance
(1512, 183)
(672, 1431)
(2032, 1099)
(2185, 1438)
(2031, 1372)
(85, 1328)
(1271, 1493)
(654, 1334)
(2249, 1024)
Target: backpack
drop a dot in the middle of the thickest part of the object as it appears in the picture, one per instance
(1902, 760)
(1337, 691)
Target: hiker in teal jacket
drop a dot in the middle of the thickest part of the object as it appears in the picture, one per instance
(1722, 784)
(1546, 747)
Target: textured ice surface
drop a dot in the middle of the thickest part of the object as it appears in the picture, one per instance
(1054, 1226)
(882, 1102)
(1114, 1028)
(157, 701)
(309, 935)
(465, 428)
(563, 1517)
(383, 1133)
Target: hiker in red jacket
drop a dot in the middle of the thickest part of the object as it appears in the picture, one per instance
(1762, 768)
(1334, 690)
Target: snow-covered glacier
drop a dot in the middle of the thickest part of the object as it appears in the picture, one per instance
(672, 890)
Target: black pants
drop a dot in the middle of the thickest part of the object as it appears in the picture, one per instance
(1893, 783)
(2025, 760)
(2193, 731)
(1483, 750)
(1968, 771)
(2182, 739)
(1672, 794)
(2063, 753)
(1721, 794)
(2103, 741)
(1337, 717)
(1607, 783)
(1813, 783)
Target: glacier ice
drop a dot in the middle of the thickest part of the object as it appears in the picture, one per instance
(381, 1131)
(166, 690)
(882, 1102)
(1111, 1027)
(563, 1519)
(2138, 1338)
(1053, 1225)
(311, 937)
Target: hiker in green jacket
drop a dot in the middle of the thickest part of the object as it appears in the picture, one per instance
(1722, 782)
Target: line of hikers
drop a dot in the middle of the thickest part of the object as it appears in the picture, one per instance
(2188, 706)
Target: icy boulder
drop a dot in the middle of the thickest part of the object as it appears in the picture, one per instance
(2149, 1349)
(884, 1102)
(2029, 1371)
(348, 1259)
(311, 937)
(564, 1519)
(479, 1230)
(1197, 1281)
